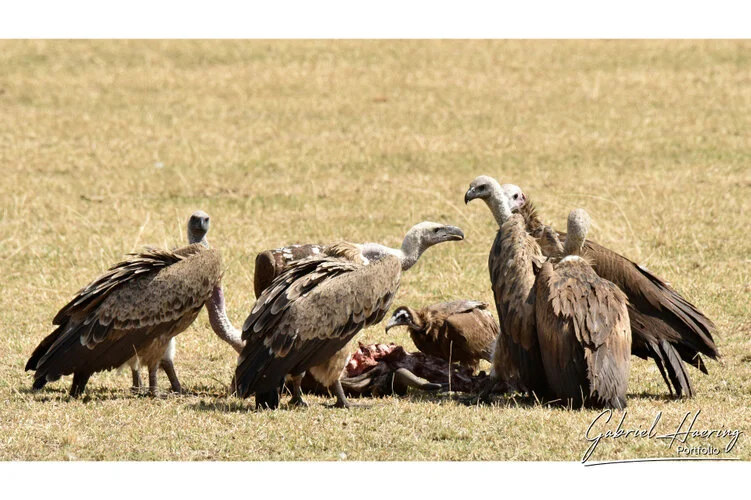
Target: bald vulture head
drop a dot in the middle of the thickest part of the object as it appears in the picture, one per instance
(501, 199)
(198, 226)
(418, 239)
(576, 231)
(423, 236)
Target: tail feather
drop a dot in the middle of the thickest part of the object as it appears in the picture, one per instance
(676, 370)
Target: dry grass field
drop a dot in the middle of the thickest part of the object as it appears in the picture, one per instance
(109, 146)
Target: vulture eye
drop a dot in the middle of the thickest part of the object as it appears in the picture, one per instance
(516, 195)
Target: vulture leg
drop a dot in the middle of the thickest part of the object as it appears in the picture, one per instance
(297, 399)
(79, 383)
(136, 380)
(153, 371)
(484, 396)
(267, 400)
(341, 399)
(169, 368)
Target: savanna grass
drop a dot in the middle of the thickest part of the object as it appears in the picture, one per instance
(106, 146)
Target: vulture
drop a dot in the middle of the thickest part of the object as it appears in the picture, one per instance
(514, 259)
(583, 327)
(664, 325)
(134, 309)
(461, 331)
(314, 308)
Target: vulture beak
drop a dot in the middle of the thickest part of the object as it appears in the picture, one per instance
(396, 321)
(469, 195)
(451, 233)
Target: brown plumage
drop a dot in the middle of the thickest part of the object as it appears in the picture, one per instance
(665, 326)
(135, 308)
(309, 313)
(462, 331)
(583, 328)
(514, 258)
(294, 324)
(271, 263)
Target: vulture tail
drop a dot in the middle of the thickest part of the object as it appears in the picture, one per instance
(676, 370)
(671, 368)
(43, 347)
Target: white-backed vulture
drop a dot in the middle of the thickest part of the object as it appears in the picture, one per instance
(514, 258)
(133, 309)
(461, 331)
(316, 306)
(583, 327)
(665, 327)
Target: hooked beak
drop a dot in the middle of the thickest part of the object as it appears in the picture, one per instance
(451, 233)
(469, 195)
(395, 321)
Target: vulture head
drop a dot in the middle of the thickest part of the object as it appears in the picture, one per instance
(423, 236)
(501, 199)
(198, 226)
(576, 229)
(403, 316)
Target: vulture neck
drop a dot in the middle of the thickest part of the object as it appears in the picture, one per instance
(574, 243)
(199, 237)
(499, 205)
(416, 321)
(220, 323)
(408, 255)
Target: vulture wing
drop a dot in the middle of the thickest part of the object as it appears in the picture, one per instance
(152, 293)
(514, 258)
(308, 313)
(473, 330)
(664, 325)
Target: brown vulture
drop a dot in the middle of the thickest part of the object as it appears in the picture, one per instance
(514, 258)
(583, 327)
(461, 331)
(132, 310)
(664, 325)
(316, 306)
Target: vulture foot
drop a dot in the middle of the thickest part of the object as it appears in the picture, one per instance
(79, 384)
(341, 399)
(298, 402)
